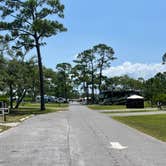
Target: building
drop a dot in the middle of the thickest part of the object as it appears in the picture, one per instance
(135, 101)
(116, 96)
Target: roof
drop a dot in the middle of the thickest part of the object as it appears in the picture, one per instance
(135, 97)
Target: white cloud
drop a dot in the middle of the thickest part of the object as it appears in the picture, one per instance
(135, 70)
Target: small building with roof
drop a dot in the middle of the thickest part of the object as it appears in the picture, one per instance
(135, 101)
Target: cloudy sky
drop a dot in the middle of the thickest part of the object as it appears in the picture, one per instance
(135, 70)
(136, 30)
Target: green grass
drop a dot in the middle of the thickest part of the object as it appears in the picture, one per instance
(48, 105)
(132, 111)
(154, 125)
(14, 117)
(114, 107)
(28, 109)
(3, 128)
(33, 108)
(106, 107)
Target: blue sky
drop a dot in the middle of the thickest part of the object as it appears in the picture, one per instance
(136, 30)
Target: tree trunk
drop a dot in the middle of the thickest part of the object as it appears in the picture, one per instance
(93, 95)
(33, 91)
(100, 74)
(33, 96)
(66, 96)
(65, 87)
(42, 102)
(100, 80)
(87, 93)
(11, 96)
(20, 99)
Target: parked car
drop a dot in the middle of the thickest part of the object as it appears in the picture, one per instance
(52, 99)
(61, 100)
(47, 98)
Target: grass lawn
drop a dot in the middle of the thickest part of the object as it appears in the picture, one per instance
(33, 108)
(113, 107)
(128, 111)
(48, 105)
(106, 107)
(3, 128)
(154, 125)
(28, 109)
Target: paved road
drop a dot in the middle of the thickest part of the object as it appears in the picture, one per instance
(78, 137)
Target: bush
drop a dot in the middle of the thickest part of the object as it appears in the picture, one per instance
(160, 97)
(4, 98)
(27, 99)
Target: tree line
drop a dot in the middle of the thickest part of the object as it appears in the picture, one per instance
(83, 78)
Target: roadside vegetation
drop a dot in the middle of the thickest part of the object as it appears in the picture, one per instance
(3, 128)
(27, 110)
(106, 107)
(49, 105)
(129, 111)
(33, 109)
(118, 107)
(153, 125)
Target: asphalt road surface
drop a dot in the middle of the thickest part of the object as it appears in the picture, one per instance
(78, 137)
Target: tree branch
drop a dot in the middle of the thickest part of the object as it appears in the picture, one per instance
(26, 32)
(19, 18)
